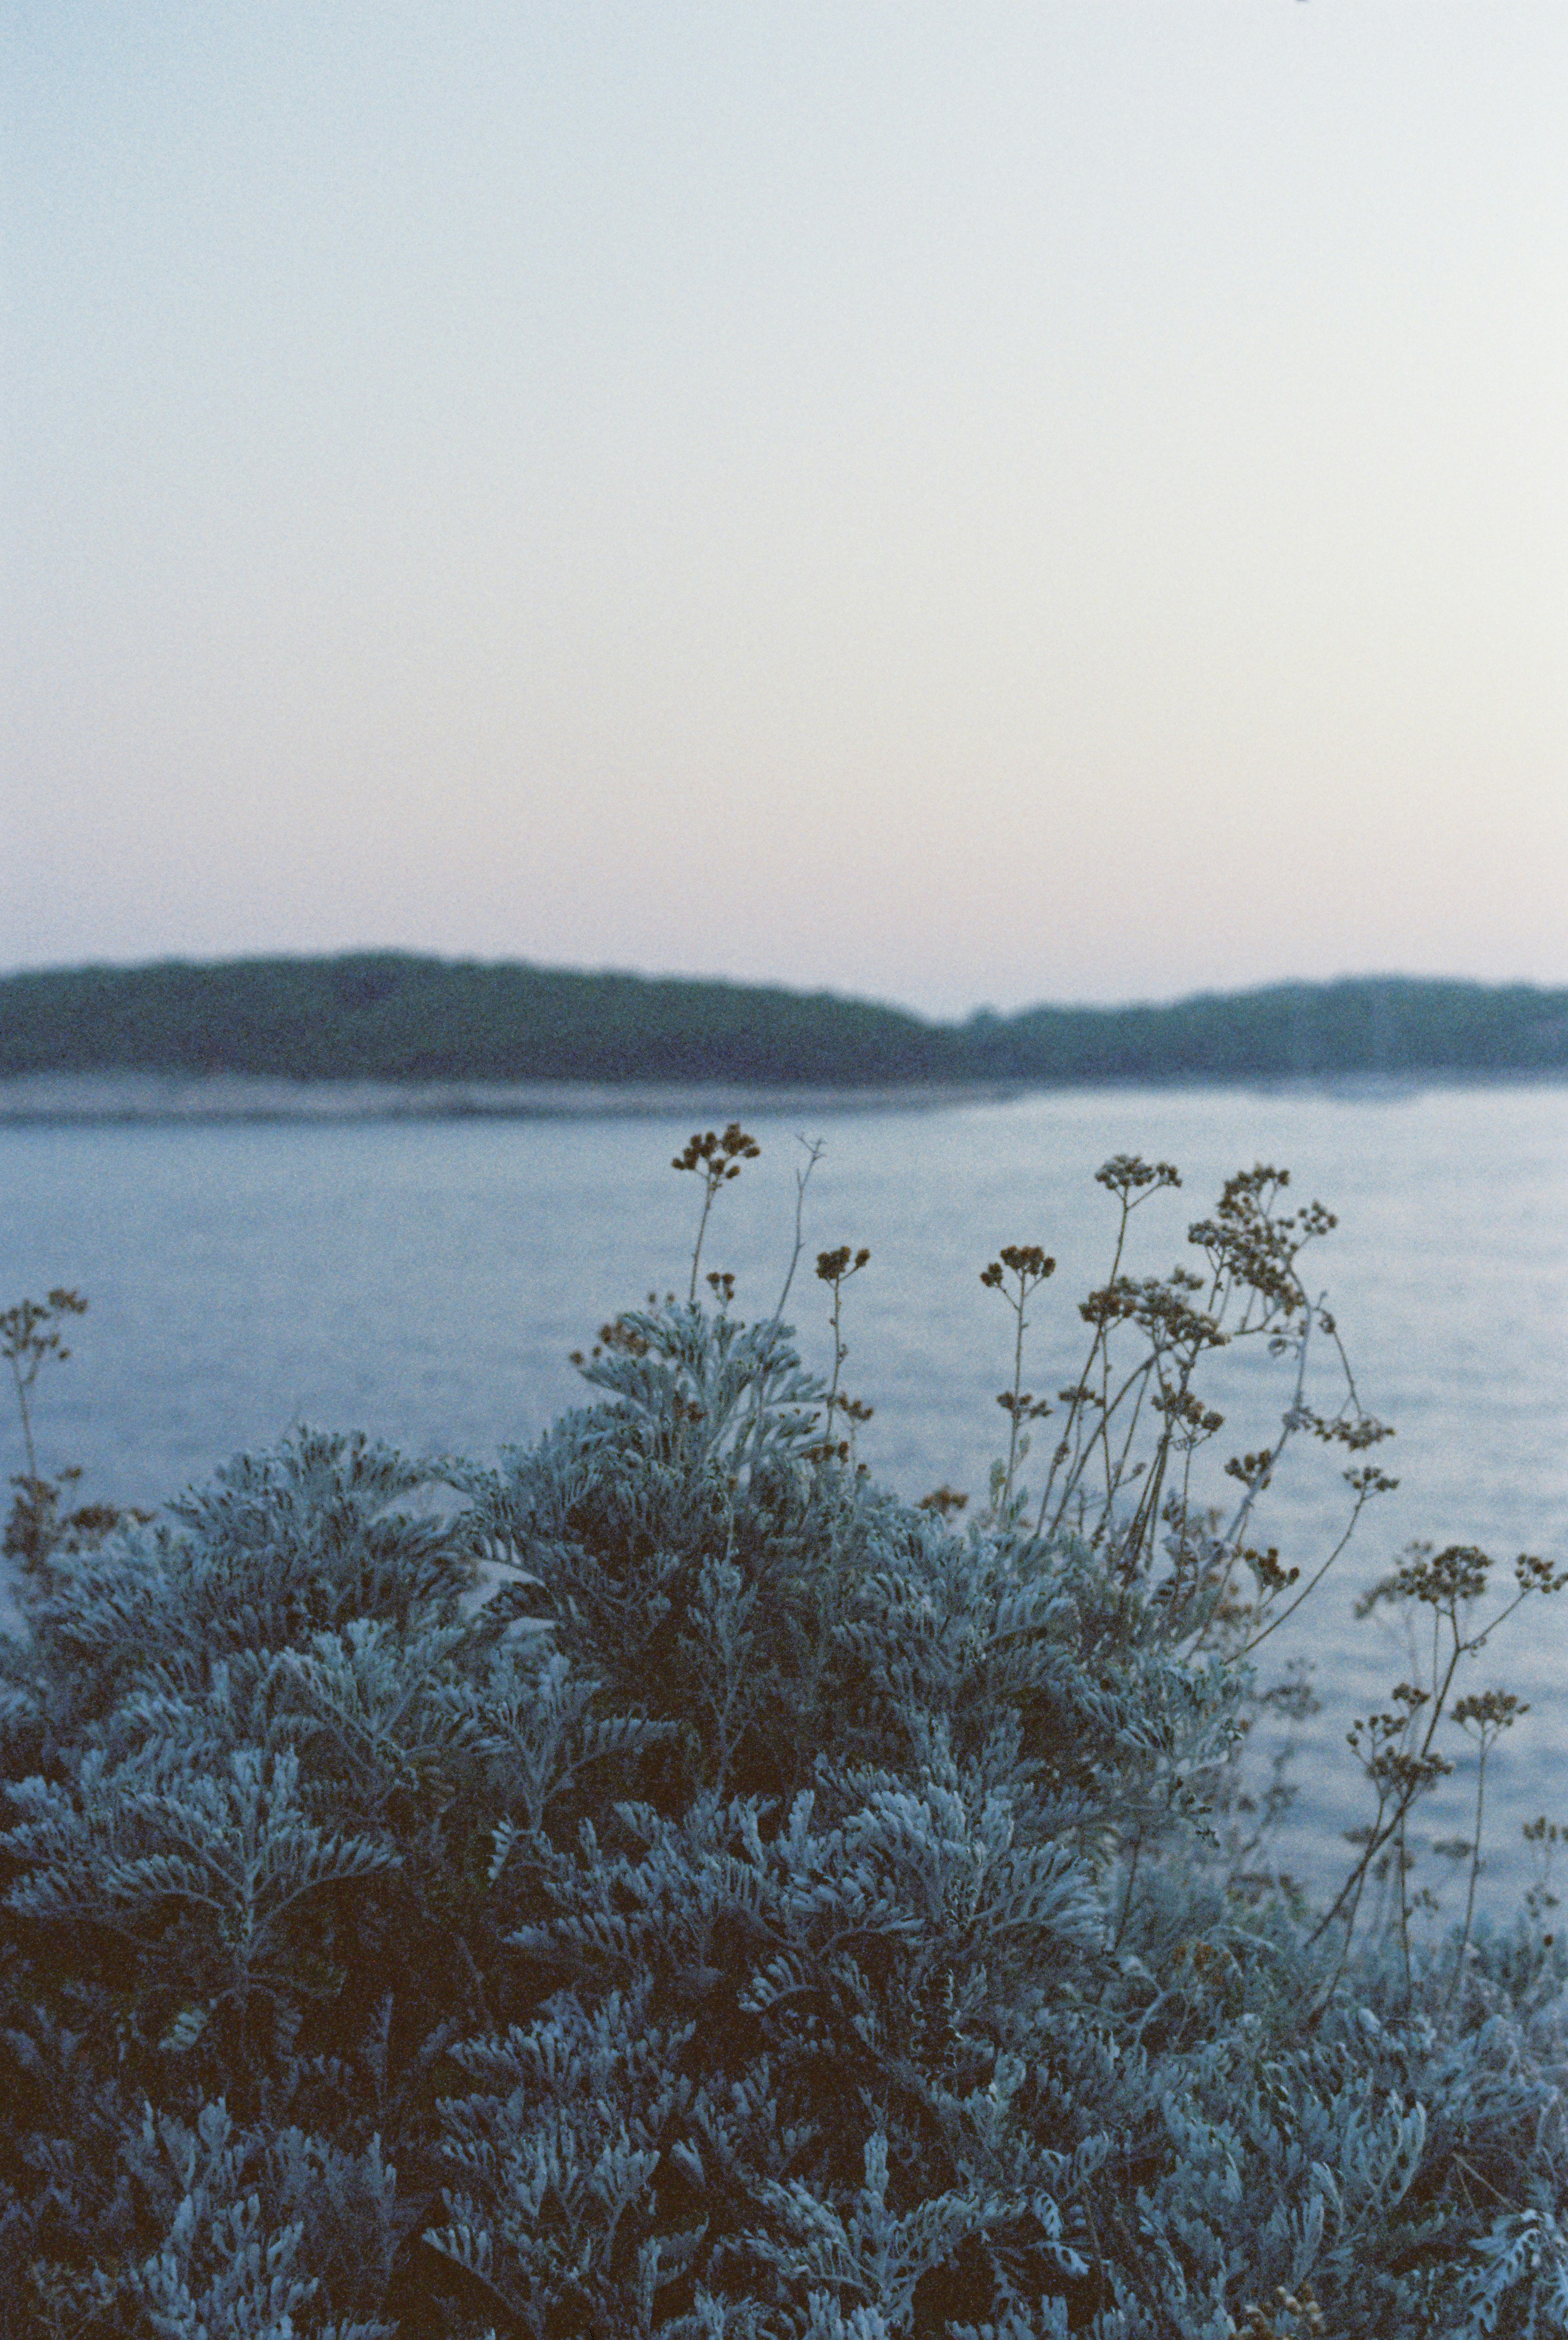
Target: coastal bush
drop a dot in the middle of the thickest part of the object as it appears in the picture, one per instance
(685, 1890)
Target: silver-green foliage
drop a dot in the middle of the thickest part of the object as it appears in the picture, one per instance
(731, 1926)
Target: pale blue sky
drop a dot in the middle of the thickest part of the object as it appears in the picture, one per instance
(963, 503)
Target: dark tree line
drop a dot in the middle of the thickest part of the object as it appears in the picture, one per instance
(391, 1015)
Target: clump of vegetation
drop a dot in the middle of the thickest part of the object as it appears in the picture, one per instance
(40, 1524)
(689, 1891)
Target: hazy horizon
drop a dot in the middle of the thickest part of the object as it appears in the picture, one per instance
(964, 507)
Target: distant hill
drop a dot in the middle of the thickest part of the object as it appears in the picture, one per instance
(390, 1015)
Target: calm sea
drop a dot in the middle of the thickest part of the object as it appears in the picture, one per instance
(425, 1281)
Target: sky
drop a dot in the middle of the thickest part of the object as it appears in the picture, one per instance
(965, 504)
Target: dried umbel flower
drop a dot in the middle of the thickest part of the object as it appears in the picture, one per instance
(1030, 1267)
(1296, 2315)
(620, 1336)
(1024, 1405)
(30, 1335)
(836, 1268)
(1253, 1246)
(40, 1527)
(1027, 1262)
(1128, 1175)
(715, 1160)
(1272, 1575)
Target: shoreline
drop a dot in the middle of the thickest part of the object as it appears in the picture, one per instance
(45, 1097)
(37, 1099)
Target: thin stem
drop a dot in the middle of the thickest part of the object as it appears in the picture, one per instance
(1082, 1459)
(1379, 1837)
(839, 1353)
(813, 1153)
(1288, 1427)
(1075, 1418)
(1402, 1861)
(1459, 1963)
(23, 1383)
(1017, 1394)
(1312, 1582)
(1351, 1891)
(710, 1188)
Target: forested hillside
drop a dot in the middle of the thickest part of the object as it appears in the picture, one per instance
(391, 1015)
